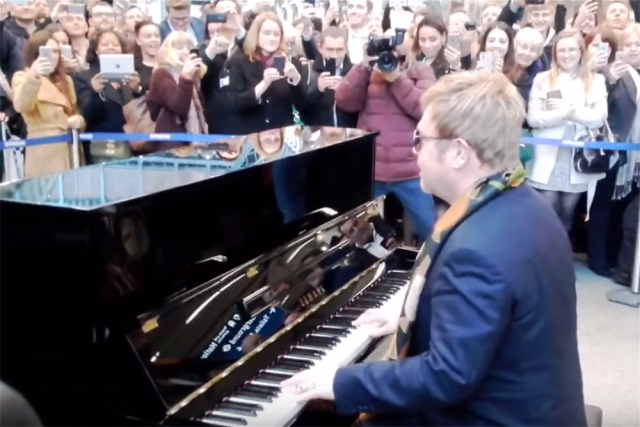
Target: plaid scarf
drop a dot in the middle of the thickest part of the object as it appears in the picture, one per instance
(477, 197)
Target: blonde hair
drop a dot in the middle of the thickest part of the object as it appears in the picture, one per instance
(178, 4)
(583, 68)
(465, 104)
(631, 30)
(250, 45)
(255, 140)
(291, 35)
(167, 55)
(529, 34)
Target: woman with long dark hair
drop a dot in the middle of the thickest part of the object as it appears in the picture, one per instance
(102, 102)
(44, 95)
(498, 40)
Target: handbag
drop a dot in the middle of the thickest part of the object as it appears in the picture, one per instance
(589, 161)
(138, 120)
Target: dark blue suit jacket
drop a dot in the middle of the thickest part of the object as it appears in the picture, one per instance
(495, 336)
(197, 24)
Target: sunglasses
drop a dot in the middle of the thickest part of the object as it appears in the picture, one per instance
(418, 139)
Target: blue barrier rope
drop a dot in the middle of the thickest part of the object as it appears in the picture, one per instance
(153, 137)
(34, 142)
(187, 137)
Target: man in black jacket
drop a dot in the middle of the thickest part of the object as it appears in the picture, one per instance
(324, 81)
(10, 52)
(624, 270)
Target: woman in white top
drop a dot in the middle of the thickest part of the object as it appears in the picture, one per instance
(564, 102)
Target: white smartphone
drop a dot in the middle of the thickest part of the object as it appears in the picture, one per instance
(76, 9)
(621, 56)
(453, 41)
(487, 60)
(66, 52)
(46, 52)
(604, 47)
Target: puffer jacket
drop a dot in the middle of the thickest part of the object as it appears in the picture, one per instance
(393, 109)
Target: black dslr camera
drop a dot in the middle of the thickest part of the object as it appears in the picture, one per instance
(383, 48)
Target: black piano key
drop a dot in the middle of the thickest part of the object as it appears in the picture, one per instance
(351, 316)
(342, 332)
(398, 274)
(286, 368)
(262, 389)
(379, 292)
(365, 304)
(258, 397)
(340, 321)
(374, 297)
(239, 408)
(304, 364)
(357, 310)
(308, 354)
(272, 378)
(321, 342)
(383, 288)
(225, 419)
(396, 282)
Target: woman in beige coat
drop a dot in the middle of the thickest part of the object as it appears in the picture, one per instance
(45, 97)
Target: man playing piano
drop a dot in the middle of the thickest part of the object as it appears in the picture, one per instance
(489, 338)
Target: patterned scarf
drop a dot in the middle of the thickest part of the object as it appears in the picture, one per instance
(477, 197)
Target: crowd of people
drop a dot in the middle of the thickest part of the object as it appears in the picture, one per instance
(236, 72)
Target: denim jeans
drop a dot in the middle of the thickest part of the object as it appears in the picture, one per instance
(418, 205)
(289, 182)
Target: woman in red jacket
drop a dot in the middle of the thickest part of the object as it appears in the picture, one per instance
(174, 96)
(390, 104)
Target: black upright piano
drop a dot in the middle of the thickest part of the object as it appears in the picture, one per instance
(180, 288)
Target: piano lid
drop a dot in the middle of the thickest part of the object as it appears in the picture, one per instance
(109, 184)
(187, 343)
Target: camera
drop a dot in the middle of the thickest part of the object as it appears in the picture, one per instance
(383, 48)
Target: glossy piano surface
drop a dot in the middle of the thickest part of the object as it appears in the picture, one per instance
(91, 256)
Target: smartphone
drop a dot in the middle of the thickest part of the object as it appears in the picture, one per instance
(195, 52)
(218, 18)
(534, 2)
(487, 60)
(470, 26)
(330, 66)
(46, 52)
(604, 47)
(278, 63)
(66, 51)
(333, 4)
(75, 9)
(554, 94)
(621, 56)
(453, 41)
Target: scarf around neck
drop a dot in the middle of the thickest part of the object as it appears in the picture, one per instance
(630, 172)
(480, 195)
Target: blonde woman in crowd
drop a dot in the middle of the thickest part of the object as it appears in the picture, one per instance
(174, 92)
(45, 97)
(564, 103)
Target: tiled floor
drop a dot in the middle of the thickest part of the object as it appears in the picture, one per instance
(609, 339)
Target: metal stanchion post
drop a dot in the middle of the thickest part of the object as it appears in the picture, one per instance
(12, 158)
(631, 296)
(75, 148)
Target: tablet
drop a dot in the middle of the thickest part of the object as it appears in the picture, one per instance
(116, 67)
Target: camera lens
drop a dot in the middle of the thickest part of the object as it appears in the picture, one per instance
(387, 62)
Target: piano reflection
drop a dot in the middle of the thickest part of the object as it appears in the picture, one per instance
(180, 288)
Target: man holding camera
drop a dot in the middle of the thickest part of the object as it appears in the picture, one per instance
(385, 92)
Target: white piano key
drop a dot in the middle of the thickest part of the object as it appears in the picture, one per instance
(285, 408)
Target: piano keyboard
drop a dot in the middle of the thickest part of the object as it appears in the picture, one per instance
(334, 343)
